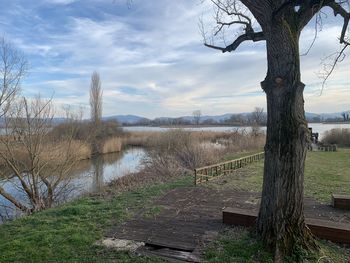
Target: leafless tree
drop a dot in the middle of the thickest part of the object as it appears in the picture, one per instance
(257, 116)
(197, 116)
(96, 113)
(257, 119)
(13, 67)
(96, 98)
(32, 162)
(281, 222)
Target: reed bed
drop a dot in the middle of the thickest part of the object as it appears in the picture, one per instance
(112, 145)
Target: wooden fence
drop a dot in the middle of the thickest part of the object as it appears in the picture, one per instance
(207, 173)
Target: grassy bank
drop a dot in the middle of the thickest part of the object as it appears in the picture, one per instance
(68, 233)
(325, 173)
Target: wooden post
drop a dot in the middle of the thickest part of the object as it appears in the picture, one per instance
(195, 177)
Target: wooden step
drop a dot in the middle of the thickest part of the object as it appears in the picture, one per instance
(341, 201)
(169, 254)
(333, 231)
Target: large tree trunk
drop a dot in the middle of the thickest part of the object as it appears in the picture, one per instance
(281, 222)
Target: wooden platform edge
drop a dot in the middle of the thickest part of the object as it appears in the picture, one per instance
(341, 201)
(333, 231)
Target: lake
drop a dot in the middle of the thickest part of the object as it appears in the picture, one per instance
(321, 128)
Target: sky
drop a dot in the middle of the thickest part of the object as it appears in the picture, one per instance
(151, 58)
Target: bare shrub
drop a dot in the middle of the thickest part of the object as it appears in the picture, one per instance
(340, 137)
(175, 151)
(33, 164)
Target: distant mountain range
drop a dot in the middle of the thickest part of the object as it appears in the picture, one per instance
(134, 119)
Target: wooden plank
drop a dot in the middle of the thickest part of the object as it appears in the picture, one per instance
(166, 253)
(164, 232)
(333, 231)
(239, 217)
(341, 201)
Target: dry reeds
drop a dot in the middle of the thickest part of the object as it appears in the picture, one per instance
(141, 139)
(112, 145)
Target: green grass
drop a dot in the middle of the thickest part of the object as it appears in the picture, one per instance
(237, 245)
(240, 245)
(325, 173)
(68, 233)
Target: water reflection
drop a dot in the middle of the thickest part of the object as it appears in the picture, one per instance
(87, 176)
(92, 175)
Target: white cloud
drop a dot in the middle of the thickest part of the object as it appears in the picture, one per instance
(155, 48)
(61, 2)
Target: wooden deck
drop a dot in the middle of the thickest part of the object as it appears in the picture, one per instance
(191, 217)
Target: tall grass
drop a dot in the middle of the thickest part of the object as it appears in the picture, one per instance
(112, 145)
(141, 138)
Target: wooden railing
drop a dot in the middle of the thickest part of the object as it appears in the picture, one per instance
(207, 173)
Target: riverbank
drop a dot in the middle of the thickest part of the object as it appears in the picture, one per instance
(69, 233)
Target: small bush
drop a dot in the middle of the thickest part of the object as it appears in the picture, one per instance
(341, 137)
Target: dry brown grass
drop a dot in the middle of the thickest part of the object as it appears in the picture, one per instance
(141, 139)
(112, 145)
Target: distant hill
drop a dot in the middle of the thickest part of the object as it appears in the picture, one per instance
(134, 119)
(126, 119)
(325, 116)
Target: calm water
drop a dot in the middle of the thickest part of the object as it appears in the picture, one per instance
(89, 175)
(316, 127)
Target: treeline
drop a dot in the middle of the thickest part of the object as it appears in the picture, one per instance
(233, 120)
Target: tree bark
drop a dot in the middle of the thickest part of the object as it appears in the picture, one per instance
(281, 223)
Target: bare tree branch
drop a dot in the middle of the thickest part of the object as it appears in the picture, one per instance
(13, 67)
(253, 36)
(339, 10)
